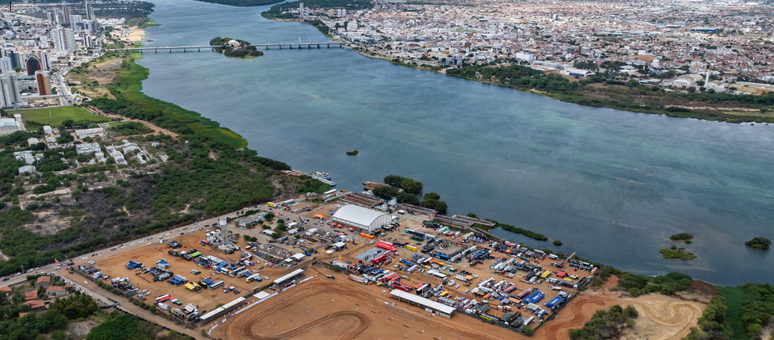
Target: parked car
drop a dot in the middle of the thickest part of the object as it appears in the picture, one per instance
(85, 282)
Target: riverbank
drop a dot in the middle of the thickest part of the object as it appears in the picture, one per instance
(604, 93)
(136, 35)
(645, 166)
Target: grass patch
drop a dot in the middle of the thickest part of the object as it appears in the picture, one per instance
(734, 324)
(56, 115)
(677, 254)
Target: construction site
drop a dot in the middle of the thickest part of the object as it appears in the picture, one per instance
(354, 272)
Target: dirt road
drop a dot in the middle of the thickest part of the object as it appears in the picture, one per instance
(660, 316)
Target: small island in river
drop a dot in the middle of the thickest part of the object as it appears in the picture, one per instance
(234, 48)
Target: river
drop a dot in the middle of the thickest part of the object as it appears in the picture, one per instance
(609, 184)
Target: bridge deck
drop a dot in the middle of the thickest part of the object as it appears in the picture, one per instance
(290, 45)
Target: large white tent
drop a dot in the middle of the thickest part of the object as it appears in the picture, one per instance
(363, 218)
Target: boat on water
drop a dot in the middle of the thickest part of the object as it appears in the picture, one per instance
(149, 40)
(323, 177)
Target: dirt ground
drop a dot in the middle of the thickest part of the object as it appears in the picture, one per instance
(156, 129)
(207, 299)
(660, 316)
(103, 73)
(343, 309)
(355, 311)
(78, 330)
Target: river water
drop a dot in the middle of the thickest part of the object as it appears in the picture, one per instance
(609, 184)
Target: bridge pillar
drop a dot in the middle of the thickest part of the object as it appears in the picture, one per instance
(157, 50)
(329, 45)
(199, 49)
(267, 47)
(170, 50)
(280, 46)
(318, 45)
(184, 50)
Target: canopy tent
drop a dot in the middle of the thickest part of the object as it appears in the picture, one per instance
(320, 216)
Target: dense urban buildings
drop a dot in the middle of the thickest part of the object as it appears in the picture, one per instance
(38, 49)
(672, 44)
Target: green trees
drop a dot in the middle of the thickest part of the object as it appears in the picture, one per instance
(411, 186)
(759, 242)
(75, 306)
(118, 327)
(130, 128)
(386, 192)
(606, 324)
(757, 307)
(33, 324)
(525, 232)
(440, 206)
(393, 180)
(676, 254)
(642, 284)
(682, 237)
(434, 196)
(405, 197)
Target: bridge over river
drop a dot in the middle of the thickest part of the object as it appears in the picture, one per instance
(299, 45)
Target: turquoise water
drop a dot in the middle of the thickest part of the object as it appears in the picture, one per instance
(609, 184)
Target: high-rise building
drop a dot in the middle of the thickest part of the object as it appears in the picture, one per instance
(301, 10)
(9, 90)
(33, 64)
(89, 11)
(66, 14)
(6, 66)
(12, 55)
(57, 16)
(86, 38)
(51, 17)
(44, 85)
(64, 39)
(45, 61)
(75, 19)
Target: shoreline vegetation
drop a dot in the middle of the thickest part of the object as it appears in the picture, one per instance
(235, 48)
(632, 96)
(741, 311)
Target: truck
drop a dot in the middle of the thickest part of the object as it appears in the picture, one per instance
(255, 277)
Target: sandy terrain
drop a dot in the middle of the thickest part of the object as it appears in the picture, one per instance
(660, 316)
(343, 309)
(135, 36)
